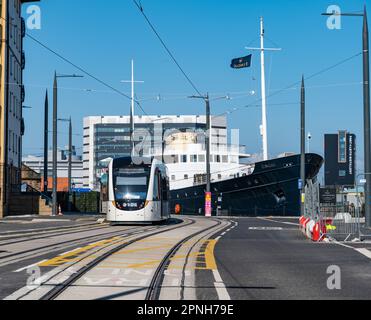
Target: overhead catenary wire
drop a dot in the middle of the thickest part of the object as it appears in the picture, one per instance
(316, 74)
(141, 9)
(84, 71)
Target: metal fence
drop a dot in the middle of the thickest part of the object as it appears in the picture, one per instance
(340, 221)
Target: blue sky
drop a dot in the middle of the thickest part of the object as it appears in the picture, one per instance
(204, 35)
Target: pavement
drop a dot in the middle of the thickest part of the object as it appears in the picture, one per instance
(269, 259)
(31, 222)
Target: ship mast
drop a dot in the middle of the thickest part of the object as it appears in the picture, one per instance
(264, 125)
(264, 99)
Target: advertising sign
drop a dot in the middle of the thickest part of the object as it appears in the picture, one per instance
(208, 205)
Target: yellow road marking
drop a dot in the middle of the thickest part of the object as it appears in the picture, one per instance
(209, 255)
(73, 255)
(142, 249)
(207, 258)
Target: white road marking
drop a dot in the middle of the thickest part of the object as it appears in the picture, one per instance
(220, 286)
(266, 228)
(343, 245)
(62, 254)
(288, 223)
(365, 252)
(30, 266)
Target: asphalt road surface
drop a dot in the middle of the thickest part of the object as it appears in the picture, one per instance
(261, 259)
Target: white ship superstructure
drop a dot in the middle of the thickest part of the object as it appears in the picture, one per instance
(185, 157)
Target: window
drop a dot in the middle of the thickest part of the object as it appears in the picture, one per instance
(342, 173)
(342, 147)
(184, 158)
(186, 177)
(193, 158)
(201, 158)
(225, 159)
(171, 159)
(217, 158)
(173, 178)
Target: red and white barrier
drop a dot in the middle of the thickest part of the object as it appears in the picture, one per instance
(313, 230)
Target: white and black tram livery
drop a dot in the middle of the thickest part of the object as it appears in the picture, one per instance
(137, 193)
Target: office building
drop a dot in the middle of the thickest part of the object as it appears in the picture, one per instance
(12, 95)
(340, 159)
(109, 137)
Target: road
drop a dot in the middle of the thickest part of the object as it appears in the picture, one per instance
(257, 261)
(186, 259)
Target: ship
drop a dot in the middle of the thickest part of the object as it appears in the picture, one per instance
(267, 188)
(270, 187)
(262, 188)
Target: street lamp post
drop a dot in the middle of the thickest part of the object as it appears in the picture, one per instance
(208, 201)
(46, 143)
(208, 196)
(55, 138)
(366, 107)
(69, 162)
(302, 144)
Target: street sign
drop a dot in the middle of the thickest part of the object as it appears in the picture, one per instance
(327, 196)
(300, 184)
(81, 190)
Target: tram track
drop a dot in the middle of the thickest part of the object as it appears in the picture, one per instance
(28, 232)
(49, 234)
(154, 290)
(59, 289)
(47, 249)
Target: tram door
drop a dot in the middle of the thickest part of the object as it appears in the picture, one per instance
(160, 189)
(165, 197)
(158, 193)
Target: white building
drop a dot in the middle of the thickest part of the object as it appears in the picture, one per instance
(109, 137)
(37, 164)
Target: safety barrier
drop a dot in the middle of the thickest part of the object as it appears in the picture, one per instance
(339, 221)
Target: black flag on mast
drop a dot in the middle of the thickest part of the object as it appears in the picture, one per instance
(240, 63)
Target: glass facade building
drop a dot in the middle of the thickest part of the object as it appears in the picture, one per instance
(109, 137)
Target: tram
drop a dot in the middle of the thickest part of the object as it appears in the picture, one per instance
(136, 193)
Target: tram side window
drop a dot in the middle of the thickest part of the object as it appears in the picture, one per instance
(104, 187)
(165, 195)
(156, 187)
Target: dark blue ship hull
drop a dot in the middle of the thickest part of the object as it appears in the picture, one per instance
(272, 190)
